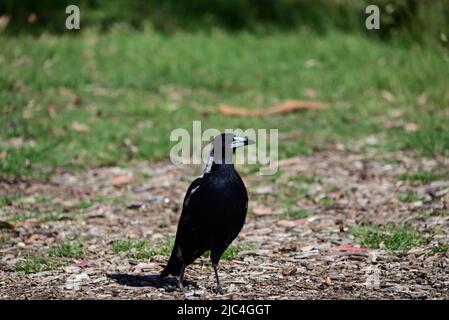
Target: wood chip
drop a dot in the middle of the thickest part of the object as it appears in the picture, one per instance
(280, 108)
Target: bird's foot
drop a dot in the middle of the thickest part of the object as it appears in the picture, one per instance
(181, 286)
(219, 290)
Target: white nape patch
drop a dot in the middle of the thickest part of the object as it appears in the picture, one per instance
(210, 161)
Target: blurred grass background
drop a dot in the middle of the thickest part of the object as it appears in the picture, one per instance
(114, 90)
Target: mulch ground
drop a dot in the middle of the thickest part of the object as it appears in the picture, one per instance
(314, 257)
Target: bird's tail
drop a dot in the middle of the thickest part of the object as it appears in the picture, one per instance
(173, 266)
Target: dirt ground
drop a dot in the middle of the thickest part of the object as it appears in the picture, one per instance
(314, 257)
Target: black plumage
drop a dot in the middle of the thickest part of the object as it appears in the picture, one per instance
(214, 210)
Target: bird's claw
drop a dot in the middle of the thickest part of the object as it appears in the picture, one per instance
(219, 290)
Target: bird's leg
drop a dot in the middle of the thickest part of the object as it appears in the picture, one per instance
(218, 289)
(181, 277)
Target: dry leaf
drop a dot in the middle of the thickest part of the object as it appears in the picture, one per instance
(280, 108)
(264, 189)
(27, 225)
(387, 95)
(328, 280)
(289, 272)
(422, 99)
(261, 210)
(311, 63)
(80, 192)
(70, 95)
(410, 127)
(16, 142)
(121, 180)
(143, 267)
(4, 21)
(286, 223)
(83, 264)
(32, 18)
(395, 113)
(296, 163)
(371, 140)
(21, 244)
(130, 146)
(310, 92)
(80, 127)
(32, 238)
(306, 248)
(21, 86)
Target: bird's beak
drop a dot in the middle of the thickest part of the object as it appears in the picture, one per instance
(249, 141)
(241, 141)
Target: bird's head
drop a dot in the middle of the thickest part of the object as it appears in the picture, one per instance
(224, 146)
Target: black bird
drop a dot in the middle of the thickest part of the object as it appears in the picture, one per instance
(214, 210)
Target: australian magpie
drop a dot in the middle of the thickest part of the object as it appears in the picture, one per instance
(213, 212)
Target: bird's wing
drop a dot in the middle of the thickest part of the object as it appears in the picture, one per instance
(190, 204)
(191, 190)
(185, 225)
(177, 257)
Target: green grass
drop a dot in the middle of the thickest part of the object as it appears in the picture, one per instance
(45, 217)
(304, 178)
(144, 249)
(21, 217)
(115, 200)
(52, 216)
(409, 197)
(67, 250)
(289, 193)
(85, 204)
(434, 213)
(6, 199)
(127, 245)
(327, 201)
(163, 225)
(38, 264)
(439, 248)
(232, 252)
(4, 239)
(164, 248)
(391, 237)
(441, 213)
(423, 176)
(95, 99)
(289, 199)
(298, 214)
(41, 198)
(291, 190)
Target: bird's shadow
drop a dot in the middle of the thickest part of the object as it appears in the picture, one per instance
(151, 280)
